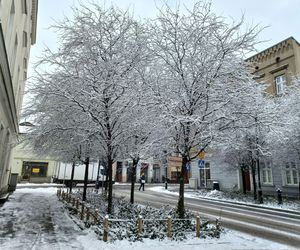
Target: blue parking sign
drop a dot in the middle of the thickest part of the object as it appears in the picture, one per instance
(200, 164)
(188, 166)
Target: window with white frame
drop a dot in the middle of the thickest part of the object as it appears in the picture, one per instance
(266, 170)
(280, 81)
(291, 174)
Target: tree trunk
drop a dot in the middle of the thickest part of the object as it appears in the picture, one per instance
(253, 179)
(86, 175)
(109, 199)
(260, 195)
(72, 176)
(106, 181)
(98, 173)
(133, 179)
(180, 206)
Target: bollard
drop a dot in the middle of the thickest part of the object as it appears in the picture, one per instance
(73, 201)
(279, 196)
(96, 217)
(87, 214)
(198, 226)
(169, 227)
(82, 211)
(217, 225)
(140, 226)
(77, 203)
(105, 228)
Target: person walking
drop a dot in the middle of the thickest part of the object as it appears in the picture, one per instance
(142, 181)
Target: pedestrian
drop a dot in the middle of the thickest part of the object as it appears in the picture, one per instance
(142, 181)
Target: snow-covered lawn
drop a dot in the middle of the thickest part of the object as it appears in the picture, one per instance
(35, 219)
(237, 198)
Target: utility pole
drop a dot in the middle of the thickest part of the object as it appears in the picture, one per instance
(259, 191)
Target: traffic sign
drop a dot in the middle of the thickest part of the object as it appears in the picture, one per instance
(188, 166)
(200, 164)
(201, 155)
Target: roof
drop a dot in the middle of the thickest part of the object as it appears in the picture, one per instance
(273, 48)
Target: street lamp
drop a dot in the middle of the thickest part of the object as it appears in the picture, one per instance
(165, 162)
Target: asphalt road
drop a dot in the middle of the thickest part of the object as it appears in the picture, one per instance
(278, 225)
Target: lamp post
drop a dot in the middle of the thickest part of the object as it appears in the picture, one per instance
(165, 161)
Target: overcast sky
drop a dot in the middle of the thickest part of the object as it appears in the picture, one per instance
(281, 16)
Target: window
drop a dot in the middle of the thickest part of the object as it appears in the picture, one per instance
(24, 6)
(291, 174)
(280, 81)
(34, 169)
(25, 39)
(266, 170)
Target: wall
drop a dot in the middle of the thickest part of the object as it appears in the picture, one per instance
(17, 34)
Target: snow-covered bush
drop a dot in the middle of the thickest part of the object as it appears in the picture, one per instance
(123, 220)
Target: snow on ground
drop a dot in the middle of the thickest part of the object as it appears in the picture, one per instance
(37, 185)
(35, 219)
(219, 195)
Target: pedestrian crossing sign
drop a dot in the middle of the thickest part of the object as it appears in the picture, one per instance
(200, 164)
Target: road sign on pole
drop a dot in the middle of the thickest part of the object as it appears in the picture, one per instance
(188, 166)
(201, 155)
(200, 164)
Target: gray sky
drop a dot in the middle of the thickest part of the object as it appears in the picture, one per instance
(282, 17)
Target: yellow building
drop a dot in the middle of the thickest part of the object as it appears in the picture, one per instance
(277, 65)
(32, 168)
(18, 20)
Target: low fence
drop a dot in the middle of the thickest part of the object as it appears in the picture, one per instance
(92, 216)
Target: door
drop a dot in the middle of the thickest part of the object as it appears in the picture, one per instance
(246, 181)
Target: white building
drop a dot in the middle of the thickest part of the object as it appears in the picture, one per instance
(18, 20)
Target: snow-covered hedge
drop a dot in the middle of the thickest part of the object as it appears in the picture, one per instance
(123, 220)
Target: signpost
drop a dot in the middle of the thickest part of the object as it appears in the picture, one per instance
(188, 166)
(201, 155)
(201, 164)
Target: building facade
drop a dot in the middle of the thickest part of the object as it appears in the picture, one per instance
(276, 67)
(153, 170)
(18, 19)
(31, 168)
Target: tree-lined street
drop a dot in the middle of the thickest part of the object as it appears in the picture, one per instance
(181, 98)
(273, 224)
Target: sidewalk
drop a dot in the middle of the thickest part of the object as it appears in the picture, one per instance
(34, 219)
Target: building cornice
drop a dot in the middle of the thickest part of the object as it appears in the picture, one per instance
(273, 50)
(34, 12)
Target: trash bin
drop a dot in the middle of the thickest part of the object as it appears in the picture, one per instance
(13, 182)
(279, 196)
(216, 185)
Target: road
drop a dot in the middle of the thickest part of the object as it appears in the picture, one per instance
(280, 226)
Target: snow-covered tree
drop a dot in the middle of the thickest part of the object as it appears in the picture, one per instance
(286, 143)
(202, 76)
(250, 140)
(98, 54)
